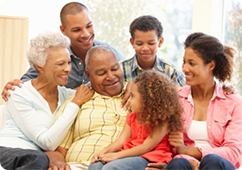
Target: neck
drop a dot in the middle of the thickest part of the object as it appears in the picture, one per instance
(147, 65)
(44, 87)
(203, 91)
(79, 53)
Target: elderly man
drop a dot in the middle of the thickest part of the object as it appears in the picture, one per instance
(100, 120)
(78, 26)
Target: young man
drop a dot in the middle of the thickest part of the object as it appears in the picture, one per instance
(146, 38)
(78, 26)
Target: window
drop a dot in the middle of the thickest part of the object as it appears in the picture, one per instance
(112, 20)
(233, 37)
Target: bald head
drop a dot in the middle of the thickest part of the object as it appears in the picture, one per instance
(71, 8)
(95, 51)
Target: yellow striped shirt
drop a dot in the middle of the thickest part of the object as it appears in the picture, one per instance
(98, 123)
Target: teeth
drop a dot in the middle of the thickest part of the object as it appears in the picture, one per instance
(188, 76)
(87, 39)
(63, 76)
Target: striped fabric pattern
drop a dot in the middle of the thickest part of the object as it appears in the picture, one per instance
(98, 123)
(131, 69)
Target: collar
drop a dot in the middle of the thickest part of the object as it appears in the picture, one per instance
(135, 65)
(71, 52)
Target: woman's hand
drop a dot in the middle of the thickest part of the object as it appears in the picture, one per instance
(10, 86)
(156, 166)
(195, 164)
(176, 139)
(83, 94)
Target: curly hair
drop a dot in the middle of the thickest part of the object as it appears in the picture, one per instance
(39, 47)
(209, 48)
(71, 8)
(146, 23)
(160, 101)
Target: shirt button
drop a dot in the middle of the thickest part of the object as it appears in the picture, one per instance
(208, 126)
(80, 63)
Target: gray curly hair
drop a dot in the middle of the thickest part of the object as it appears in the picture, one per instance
(39, 47)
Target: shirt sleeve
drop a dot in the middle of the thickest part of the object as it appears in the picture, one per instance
(178, 78)
(27, 120)
(68, 139)
(231, 147)
(29, 75)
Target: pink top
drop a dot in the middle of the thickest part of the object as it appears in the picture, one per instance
(161, 153)
(224, 124)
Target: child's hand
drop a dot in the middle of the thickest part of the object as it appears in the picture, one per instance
(95, 158)
(108, 157)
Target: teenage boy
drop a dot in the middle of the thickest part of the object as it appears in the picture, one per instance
(146, 38)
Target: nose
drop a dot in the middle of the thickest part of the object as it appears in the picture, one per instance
(184, 68)
(110, 76)
(84, 33)
(68, 68)
(145, 48)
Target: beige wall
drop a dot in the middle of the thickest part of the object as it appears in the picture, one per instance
(13, 46)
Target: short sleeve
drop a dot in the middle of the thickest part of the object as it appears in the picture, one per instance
(129, 118)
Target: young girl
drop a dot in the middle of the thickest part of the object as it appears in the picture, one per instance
(156, 110)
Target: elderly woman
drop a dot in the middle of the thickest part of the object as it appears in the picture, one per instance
(30, 111)
(213, 123)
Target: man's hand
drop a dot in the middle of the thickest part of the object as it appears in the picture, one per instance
(59, 165)
(57, 159)
(10, 86)
(124, 102)
(156, 166)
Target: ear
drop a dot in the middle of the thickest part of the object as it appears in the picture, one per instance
(161, 40)
(87, 74)
(132, 42)
(40, 69)
(62, 30)
(212, 65)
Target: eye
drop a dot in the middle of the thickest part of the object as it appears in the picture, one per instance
(191, 63)
(76, 30)
(152, 43)
(101, 73)
(139, 44)
(60, 64)
(89, 26)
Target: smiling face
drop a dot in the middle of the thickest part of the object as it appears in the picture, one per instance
(135, 99)
(105, 74)
(146, 45)
(196, 72)
(57, 66)
(80, 29)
